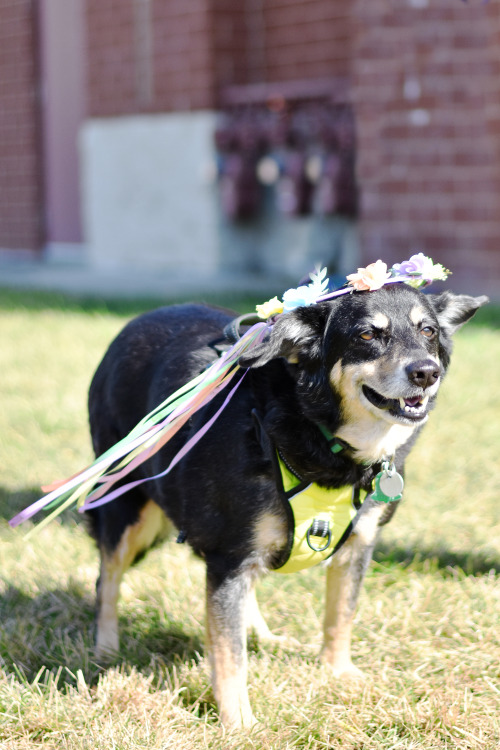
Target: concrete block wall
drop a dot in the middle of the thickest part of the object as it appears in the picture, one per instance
(147, 204)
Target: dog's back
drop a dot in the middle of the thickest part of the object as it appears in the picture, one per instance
(153, 355)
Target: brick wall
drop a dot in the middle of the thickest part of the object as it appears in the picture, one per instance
(307, 38)
(492, 83)
(425, 84)
(149, 56)
(425, 81)
(20, 178)
(158, 56)
(230, 34)
(280, 40)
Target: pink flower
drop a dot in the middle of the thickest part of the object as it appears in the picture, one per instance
(370, 278)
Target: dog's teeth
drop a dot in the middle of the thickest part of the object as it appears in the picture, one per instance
(414, 409)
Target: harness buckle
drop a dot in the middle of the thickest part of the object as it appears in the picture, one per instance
(321, 529)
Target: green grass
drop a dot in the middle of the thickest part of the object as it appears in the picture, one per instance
(427, 631)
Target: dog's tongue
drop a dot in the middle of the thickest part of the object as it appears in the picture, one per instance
(412, 401)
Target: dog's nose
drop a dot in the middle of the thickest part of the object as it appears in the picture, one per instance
(423, 373)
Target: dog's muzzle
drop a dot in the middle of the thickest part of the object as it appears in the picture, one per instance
(422, 375)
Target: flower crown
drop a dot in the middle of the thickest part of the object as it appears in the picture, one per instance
(418, 271)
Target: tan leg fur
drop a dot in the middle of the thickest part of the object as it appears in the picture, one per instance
(226, 648)
(152, 523)
(343, 582)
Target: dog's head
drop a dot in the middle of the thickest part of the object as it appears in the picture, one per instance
(374, 360)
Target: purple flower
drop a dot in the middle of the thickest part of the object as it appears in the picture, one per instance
(418, 265)
(420, 269)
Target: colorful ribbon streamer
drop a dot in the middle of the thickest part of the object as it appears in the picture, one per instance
(92, 487)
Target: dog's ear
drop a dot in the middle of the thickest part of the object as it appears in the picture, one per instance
(295, 335)
(453, 310)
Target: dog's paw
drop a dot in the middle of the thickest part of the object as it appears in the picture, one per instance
(106, 652)
(232, 724)
(342, 669)
(237, 718)
(349, 673)
(267, 638)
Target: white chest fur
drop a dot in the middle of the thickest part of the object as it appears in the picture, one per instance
(374, 440)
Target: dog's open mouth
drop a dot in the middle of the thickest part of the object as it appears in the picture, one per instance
(413, 409)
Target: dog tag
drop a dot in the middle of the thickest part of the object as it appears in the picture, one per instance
(391, 484)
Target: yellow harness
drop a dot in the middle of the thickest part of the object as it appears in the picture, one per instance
(322, 520)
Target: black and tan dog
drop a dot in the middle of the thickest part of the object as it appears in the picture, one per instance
(360, 372)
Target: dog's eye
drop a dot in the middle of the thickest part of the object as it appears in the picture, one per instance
(367, 335)
(428, 332)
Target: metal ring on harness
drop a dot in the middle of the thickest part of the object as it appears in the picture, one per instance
(322, 529)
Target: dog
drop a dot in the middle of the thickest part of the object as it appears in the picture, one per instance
(339, 389)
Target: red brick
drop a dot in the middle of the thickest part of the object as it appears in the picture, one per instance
(20, 168)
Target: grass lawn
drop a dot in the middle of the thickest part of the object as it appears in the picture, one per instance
(427, 632)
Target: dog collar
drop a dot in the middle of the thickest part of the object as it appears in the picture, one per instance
(336, 444)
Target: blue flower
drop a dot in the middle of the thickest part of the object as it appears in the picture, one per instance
(308, 294)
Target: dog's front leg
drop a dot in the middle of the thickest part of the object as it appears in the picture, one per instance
(343, 583)
(226, 644)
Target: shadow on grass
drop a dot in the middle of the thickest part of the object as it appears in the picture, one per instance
(56, 628)
(471, 563)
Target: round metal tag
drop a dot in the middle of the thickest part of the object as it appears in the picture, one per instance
(391, 484)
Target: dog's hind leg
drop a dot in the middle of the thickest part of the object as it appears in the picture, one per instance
(254, 620)
(135, 539)
(257, 625)
(343, 583)
(227, 594)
